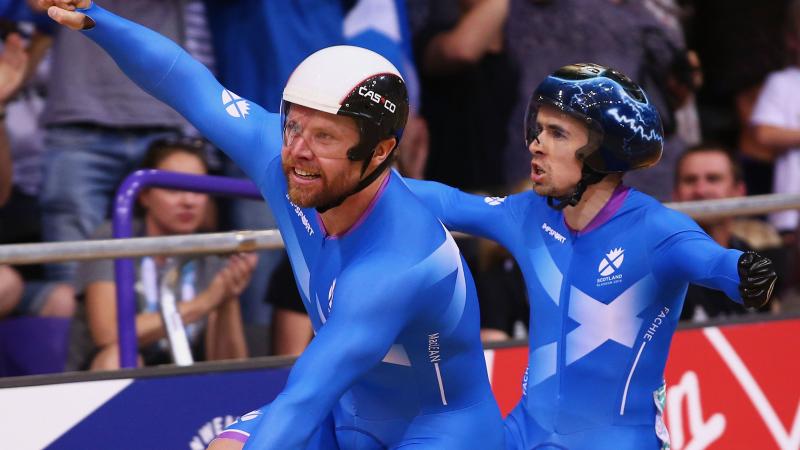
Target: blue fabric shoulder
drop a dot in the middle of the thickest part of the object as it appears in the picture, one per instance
(663, 222)
(681, 252)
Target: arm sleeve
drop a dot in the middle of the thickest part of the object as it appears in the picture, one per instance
(489, 217)
(166, 71)
(687, 254)
(359, 332)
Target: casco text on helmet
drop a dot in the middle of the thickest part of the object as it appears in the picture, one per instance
(625, 128)
(353, 82)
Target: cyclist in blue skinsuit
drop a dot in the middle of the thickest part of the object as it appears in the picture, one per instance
(606, 267)
(397, 360)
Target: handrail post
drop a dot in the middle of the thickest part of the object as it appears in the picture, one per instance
(124, 271)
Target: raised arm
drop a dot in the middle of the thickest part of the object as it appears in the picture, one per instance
(479, 31)
(246, 132)
(359, 332)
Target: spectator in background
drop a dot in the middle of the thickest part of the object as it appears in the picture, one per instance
(739, 42)
(13, 62)
(12, 70)
(468, 88)
(291, 327)
(709, 172)
(776, 124)
(99, 125)
(208, 287)
(22, 290)
(682, 76)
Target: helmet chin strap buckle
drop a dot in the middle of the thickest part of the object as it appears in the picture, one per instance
(566, 200)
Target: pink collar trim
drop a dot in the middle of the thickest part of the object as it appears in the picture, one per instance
(607, 212)
(361, 219)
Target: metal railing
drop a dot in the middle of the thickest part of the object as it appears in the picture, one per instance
(737, 206)
(124, 247)
(188, 244)
(236, 241)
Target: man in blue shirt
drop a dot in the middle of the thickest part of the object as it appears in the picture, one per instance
(606, 267)
(257, 45)
(397, 359)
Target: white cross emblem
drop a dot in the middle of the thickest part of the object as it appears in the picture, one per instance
(611, 262)
(617, 321)
(234, 105)
(494, 201)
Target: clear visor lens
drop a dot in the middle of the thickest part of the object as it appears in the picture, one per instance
(531, 131)
(324, 140)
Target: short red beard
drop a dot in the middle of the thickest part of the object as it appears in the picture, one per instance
(328, 191)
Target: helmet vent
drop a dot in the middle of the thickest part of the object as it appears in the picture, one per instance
(627, 84)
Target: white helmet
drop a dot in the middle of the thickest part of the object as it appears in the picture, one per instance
(354, 82)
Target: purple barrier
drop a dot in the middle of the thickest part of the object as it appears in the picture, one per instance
(33, 345)
(123, 228)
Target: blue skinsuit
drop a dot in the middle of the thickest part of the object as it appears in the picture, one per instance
(604, 306)
(397, 359)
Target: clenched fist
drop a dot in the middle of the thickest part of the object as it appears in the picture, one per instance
(65, 12)
(757, 279)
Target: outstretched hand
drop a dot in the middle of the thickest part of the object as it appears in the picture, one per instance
(64, 12)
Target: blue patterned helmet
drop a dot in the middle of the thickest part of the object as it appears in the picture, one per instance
(625, 131)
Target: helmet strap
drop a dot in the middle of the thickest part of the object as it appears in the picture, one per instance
(366, 181)
(589, 176)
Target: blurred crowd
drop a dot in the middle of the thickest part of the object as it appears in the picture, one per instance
(722, 75)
